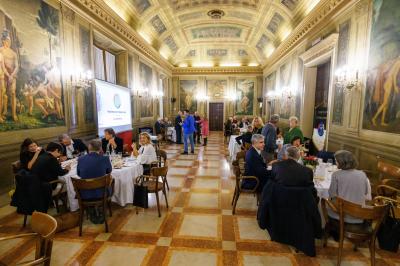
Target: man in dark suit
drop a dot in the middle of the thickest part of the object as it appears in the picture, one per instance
(111, 142)
(71, 146)
(290, 173)
(245, 137)
(178, 127)
(255, 165)
(47, 167)
(93, 165)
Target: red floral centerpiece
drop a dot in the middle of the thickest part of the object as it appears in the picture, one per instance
(310, 161)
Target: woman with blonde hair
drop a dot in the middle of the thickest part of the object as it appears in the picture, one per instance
(293, 131)
(257, 125)
(146, 153)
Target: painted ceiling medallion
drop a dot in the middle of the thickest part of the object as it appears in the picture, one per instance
(216, 13)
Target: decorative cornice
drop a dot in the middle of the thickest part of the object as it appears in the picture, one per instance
(318, 18)
(99, 12)
(217, 70)
(68, 14)
(323, 47)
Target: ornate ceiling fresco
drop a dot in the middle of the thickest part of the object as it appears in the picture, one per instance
(213, 32)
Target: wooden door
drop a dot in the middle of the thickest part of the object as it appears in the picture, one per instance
(216, 116)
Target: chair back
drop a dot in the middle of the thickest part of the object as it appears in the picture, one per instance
(46, 226)
(103, 182)
(162, 158)
(16, 166)
(387, 170)
(247, 146)
(240, 157)
(159, 171)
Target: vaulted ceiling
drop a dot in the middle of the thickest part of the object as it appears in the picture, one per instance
(213, 32)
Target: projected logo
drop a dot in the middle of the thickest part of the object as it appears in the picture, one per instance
(117, 101)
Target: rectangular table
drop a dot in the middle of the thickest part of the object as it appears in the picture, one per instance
(123, 188)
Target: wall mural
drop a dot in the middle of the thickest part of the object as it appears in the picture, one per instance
(299, 92)
(187, 97)
(141, 5)
(270, 86)
(285, 105)
(245, 97)
(216, 88)
(31, 93)
(216, 32)
(275, 23)
(382, 97)
(158, 25)
(130, 83)
(146, 82)
(84, 35)
(169, 41)
(343, 50)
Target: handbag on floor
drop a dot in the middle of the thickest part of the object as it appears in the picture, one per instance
(140, 194)
(389, 232)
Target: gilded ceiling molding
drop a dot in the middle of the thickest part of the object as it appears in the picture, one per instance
(318, 17)
(217, 70)
(120, 27)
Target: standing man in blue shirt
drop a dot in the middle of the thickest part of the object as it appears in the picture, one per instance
(188, 130)
(269, 133)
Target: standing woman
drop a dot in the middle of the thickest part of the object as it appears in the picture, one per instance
(257, 125)
(29, 153)
(146, 153)
(228, 129)
(204, 130)
(292, 131)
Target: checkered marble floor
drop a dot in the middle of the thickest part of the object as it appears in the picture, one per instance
(197, 229)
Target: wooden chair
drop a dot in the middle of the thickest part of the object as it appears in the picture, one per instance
(241, 158)
(154, 185)
(162, 158)
(44, 228)
(389, 188)
(356, 233)
(247, 146)
(238, 188)
(104, 182)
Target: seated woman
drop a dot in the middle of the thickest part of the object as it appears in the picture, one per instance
(146, 153)
(29, 153)
(349, 184)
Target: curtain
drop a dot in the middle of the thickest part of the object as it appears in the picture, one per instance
(110, 68)
(99, 64)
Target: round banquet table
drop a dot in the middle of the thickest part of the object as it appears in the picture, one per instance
(123, 188)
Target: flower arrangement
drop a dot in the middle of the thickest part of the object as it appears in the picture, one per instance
(310, 161)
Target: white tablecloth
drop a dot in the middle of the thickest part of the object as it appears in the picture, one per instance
(233, 147)
(123, 189)
(172, 132)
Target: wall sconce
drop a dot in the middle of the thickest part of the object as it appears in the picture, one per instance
(157, 94)
(342, 78)
(173, 100)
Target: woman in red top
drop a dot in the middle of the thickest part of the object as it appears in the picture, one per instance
(204, 130)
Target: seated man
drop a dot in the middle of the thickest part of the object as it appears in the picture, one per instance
(290, 173)
(111, 142)
(246, 137)
(47, 166)
(71, 146)
(255, 165)
(296, 142)
(93, 165)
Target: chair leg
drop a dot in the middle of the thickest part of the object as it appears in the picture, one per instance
(105, 216)
(64, 201)
(55, 200)
(109, 207)
(234, 203)
(25, 218)
(81, 213)
(165, 196)
(340, 249)
(158, 204)
(372, 251)
(166, 182)
(234, 195)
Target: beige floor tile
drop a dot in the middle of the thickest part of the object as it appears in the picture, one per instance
(249, 229)
(6, 246)
(144, 222)
(208, 172)
(164, 241)
(204, 200)
(250, 260)
(182, 163)
(199, 225)
(184, 258)
(120, 255)
(103, 237)
(177, 171)
(228, 245)
(6, 210)
(247, 202)
(206, 183)
(175, 181)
